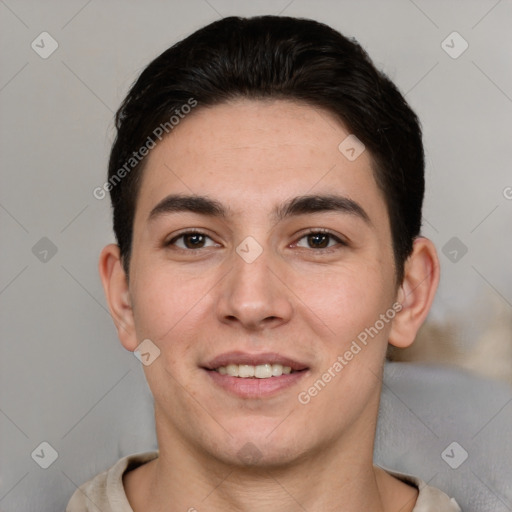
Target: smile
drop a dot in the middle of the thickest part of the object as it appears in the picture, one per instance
(260, 371)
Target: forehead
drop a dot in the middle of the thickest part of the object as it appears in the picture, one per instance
(253, 153)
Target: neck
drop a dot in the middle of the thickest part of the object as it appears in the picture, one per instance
(328, 482)
(338, 477)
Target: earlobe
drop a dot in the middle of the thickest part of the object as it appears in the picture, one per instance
(115, 285)
(416, 294)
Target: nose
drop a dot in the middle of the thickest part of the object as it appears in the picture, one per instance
(254, 295)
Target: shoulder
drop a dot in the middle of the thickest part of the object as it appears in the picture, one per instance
(430, 499)
(105, 492)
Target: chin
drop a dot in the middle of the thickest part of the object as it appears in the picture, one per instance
(252, 454)
(259, 446)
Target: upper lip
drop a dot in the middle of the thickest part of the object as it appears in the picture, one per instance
(238, 357)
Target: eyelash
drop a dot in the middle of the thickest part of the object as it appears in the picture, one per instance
(322, 231)
(304, 235)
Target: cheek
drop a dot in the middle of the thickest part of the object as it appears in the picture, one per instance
(346, 300)
(166, 302)
(350, 305)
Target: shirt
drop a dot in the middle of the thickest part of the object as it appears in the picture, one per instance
(105, 492)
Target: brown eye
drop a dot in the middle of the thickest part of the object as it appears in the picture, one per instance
(319, 240)
(191, 240)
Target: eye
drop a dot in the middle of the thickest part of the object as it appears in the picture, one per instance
(191, 240)
(320, 239)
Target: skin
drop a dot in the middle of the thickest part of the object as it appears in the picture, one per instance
(297, 299)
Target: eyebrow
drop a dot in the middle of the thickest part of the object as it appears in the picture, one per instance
(299, 205)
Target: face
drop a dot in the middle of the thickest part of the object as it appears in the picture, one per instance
(284, 258)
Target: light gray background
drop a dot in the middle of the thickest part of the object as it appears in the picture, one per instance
(61, 365)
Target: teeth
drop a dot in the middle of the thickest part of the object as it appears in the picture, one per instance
(245, 370)
(261, 371)
(232, 369)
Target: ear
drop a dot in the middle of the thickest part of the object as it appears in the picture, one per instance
(115, 285)
(416, 294)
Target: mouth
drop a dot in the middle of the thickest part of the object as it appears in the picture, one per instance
(260, 371)
(255, 375)
(259, 366)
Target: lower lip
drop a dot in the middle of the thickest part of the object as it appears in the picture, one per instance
(253, 387)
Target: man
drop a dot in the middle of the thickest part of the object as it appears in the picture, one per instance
(267, 185)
